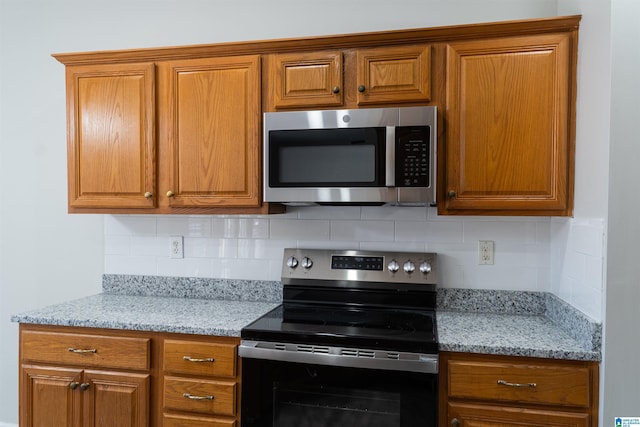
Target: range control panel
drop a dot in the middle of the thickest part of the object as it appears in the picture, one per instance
(366, 266)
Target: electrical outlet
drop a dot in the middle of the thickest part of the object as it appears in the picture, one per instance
(176, 247)
(485, 252)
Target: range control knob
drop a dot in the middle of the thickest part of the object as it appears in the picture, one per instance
(393, 266)
(409, 267)
(292, 262)
(307, 262)
(425, 267)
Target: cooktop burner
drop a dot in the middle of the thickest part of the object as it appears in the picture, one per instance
(372, 300)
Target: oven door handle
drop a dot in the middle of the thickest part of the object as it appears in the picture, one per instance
(339, 356)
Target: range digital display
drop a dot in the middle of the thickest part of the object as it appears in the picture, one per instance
(343, 262)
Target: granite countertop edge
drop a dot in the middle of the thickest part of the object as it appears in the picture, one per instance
(530, 324)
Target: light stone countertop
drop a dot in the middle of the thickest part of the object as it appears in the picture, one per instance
(508, 334)
(150, 313)
(474, 321)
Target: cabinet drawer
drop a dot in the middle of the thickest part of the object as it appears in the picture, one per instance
(190, 421)
(205, 396)
(198, 358)
(556, 385)
(86, 350)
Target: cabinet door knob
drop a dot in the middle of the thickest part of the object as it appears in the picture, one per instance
(84, 386)
(170, 193)
(361, 88)
(148, 195)
(452, 194)
(336, 89)
(455, 422)
(74, 385)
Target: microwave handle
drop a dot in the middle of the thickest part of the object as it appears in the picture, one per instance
(390, 157)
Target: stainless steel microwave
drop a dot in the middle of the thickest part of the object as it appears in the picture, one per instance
(372, 156)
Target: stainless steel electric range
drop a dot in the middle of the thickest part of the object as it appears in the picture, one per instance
(354, 343)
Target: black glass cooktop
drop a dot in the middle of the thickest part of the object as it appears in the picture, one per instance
(343, 326)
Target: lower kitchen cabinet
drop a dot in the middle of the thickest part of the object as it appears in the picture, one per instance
(88, 377)
(489, 390)
(201, 382)
(72, 379)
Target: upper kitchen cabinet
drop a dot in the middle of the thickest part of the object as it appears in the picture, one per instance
(179, 129)
(164, 135)
(111, 136)
(349, 78)
(210, 131)
(509, 146)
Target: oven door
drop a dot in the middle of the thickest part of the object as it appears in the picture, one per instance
(288, 394)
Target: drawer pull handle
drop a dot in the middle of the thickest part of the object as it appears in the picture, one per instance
(79, 350)
(84, 386)
(193, 397)
(508, 384)
(191, 359)
(74, 385)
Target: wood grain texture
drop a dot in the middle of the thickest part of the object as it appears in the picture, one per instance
(222, 393)
(111, 135)
(110, 352)
(211, 132)
(204, 359)
(509, 146)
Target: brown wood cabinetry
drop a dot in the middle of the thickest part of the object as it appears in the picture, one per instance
(210, 132)
(178, 130)
(350, 78)
(201, 383)
(111, 136)
(74, 380)
(488, 390)
(205, 156)
(84, 377)
(509, 139)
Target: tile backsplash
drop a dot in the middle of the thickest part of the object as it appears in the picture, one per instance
(531, 253)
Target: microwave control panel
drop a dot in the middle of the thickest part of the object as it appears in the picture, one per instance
(412, 156)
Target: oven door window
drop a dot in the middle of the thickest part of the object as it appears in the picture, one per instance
(283, 394)
(350, 157)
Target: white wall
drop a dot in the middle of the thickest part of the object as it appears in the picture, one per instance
(48, 256)
(621, 385)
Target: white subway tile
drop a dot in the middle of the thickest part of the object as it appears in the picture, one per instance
(185, 267)
(327, 244)
(130, 225)
(299, 229)
(196, 247)
(506, 231)
(429, 231)
(117, 245)
(184, 225)
(245, 269)
(150, 246)
(329, 212)
(394, 213)
(363, 231)
(393, 246)
(263, 249)
(135, 265)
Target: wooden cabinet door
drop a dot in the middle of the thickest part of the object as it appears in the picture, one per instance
(394, 74)
(307, 79)
(47, 397)
(115, 399)
(470, 415)
(111, 135)
(509, 147)
(211, 132)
